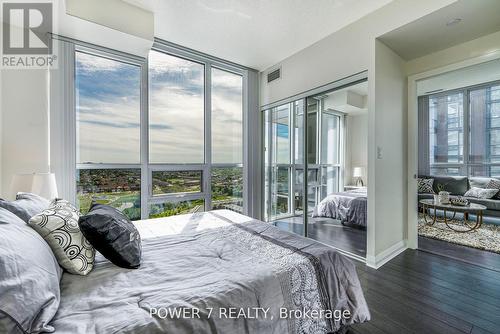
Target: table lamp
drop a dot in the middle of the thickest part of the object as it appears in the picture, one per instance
(42, 184)
(358, 174)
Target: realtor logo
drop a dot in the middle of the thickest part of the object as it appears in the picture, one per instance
(26, 34)
(26, 28)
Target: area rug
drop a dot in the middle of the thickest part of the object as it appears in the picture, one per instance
(487, 237)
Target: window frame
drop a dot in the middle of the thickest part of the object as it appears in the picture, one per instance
(147, 168)
(465, 167)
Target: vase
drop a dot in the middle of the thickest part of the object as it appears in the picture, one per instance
(436, 199)
(444, 197)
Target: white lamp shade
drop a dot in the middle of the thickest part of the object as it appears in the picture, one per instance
(42, 184)
(21, 182)
(357, 172)
(45, 185)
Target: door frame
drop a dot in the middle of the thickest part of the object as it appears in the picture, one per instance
(412, 157)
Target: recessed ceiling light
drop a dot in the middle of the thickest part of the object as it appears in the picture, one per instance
(453, 21)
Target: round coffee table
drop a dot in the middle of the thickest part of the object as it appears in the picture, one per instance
(471, 208)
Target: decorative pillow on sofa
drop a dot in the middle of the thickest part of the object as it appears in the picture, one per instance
(58, 225)
(425, 186)
(494, 184)
(29, 278)
(481, 193)
(113, 235)
(26, 205)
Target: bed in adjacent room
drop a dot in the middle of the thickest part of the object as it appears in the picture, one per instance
(215, 272)
(350, 207)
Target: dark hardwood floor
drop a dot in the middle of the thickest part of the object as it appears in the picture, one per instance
(420, 292)
(470, 255)
(328, 231)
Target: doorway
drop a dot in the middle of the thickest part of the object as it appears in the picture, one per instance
(309, 160)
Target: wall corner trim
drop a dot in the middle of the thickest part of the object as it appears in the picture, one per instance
(385, 256)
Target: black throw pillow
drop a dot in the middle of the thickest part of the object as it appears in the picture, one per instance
(113, 235)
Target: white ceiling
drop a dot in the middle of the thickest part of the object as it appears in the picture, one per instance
(431, 32)
(254, 33)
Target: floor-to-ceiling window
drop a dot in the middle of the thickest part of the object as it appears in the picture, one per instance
(161, 136)
(460, 132)
(108, 109)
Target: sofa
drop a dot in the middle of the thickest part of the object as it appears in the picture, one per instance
(458, 186)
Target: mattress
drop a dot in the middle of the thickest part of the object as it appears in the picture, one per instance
(348, 206)
(216, 272)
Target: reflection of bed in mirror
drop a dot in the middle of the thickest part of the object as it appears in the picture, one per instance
(350, 207)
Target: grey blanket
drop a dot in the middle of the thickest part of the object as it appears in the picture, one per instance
(214, 272)
(349, 207)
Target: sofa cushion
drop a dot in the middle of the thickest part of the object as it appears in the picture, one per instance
(479, 182)
(455, 185)
(494, 184)
(482, 193)
(491, 204)
(425, 186)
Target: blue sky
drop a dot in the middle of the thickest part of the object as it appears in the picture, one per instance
(108, 104)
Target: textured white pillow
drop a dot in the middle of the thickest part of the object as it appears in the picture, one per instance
(58, 225)
(481, 193)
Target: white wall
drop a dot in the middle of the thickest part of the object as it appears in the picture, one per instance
(356, 146)
(25, 128)
(387, 143)
(343, 53)
(349, 51)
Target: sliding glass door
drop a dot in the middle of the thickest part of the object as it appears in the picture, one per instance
(284, 153)
(294, 185)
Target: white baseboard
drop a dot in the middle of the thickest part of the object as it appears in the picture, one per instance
(379, 260)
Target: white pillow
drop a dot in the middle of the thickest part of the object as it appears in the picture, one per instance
(481, 193)
(58, 225)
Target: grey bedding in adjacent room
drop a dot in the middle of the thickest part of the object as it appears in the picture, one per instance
(348, 206)
(212, 261)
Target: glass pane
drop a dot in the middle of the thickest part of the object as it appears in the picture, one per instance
(267, 145)
(281, 134)
(167, 209)
(280, 191)
(451, 171)
(227, 188)
(108, 95)
(298, 146)
(176, 109)
(330, 138)
(119, 188)
(329, 181)
(484, 128)
(312, 134)
(446, 128)
(168, 182)
(227, 117)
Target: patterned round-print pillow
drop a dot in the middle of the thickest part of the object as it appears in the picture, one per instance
(58, 225)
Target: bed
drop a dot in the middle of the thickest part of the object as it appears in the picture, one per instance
(349, 207)
(215, 272)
